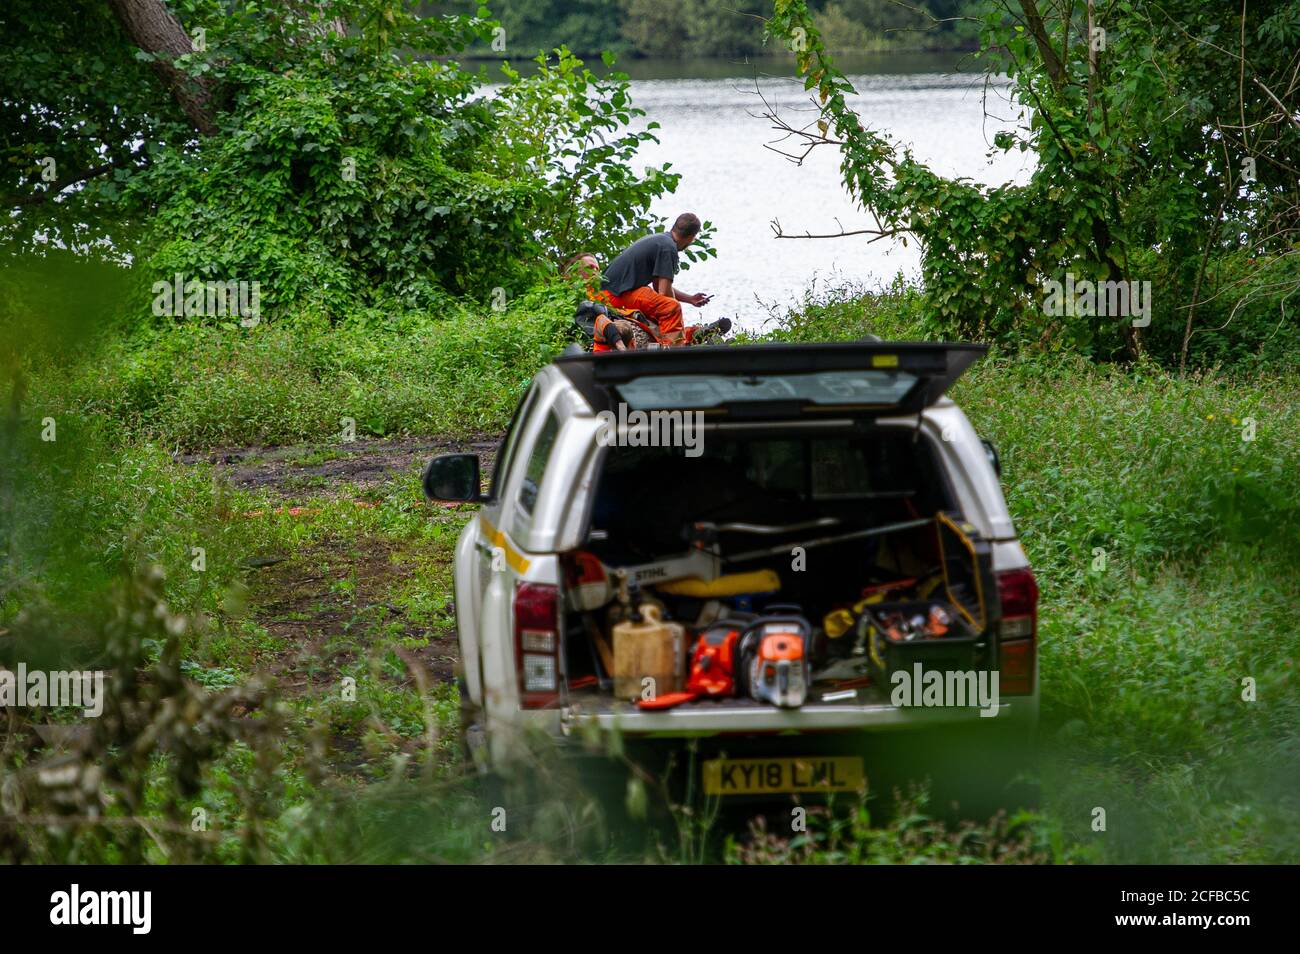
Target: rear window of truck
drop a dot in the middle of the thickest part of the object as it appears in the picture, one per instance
(871, 388)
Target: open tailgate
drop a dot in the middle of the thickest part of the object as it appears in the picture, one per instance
(779, 380)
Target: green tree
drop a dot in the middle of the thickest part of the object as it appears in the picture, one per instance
(532, 26)
(1141, 150)
(873, 24)
(331, 151)
(724, 29)
(655, 27)
(679, 28)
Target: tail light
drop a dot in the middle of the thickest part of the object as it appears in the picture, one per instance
(537, 644)
(1018, 645)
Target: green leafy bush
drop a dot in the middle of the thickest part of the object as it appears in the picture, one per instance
(425, 190)
(339, 159)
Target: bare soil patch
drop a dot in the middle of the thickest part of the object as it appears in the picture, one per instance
(330, 469)
(329, 603)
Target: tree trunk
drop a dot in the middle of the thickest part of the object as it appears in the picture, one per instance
(155, 29)
(1051, 62)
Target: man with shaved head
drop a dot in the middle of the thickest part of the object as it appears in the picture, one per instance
(641, 278)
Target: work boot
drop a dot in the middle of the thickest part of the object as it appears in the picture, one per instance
(714, 329)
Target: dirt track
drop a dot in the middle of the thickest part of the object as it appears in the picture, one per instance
(327, 469)
(329, 603)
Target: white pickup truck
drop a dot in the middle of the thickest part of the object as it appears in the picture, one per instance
(852, 439)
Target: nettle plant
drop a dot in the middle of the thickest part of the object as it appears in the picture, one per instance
(1137, 173)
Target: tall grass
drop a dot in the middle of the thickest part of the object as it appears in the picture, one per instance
(1161, 514)
(198, 386)
(1164, 542)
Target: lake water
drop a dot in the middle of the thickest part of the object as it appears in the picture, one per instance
(710, 133)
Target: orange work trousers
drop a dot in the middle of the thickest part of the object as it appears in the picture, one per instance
(664, 311)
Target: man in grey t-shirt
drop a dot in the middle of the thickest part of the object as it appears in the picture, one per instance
(641, 278)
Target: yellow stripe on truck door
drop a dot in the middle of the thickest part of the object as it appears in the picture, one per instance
(517, 561)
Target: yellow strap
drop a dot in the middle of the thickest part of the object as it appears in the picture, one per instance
(942, 519)
(733, 584)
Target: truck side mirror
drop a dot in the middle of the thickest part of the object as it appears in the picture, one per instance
(453, 477)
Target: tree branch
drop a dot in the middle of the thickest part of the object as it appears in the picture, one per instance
(879, 234)
(58, 185)
(1285, 112)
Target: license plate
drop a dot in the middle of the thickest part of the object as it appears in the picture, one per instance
(839, 773)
